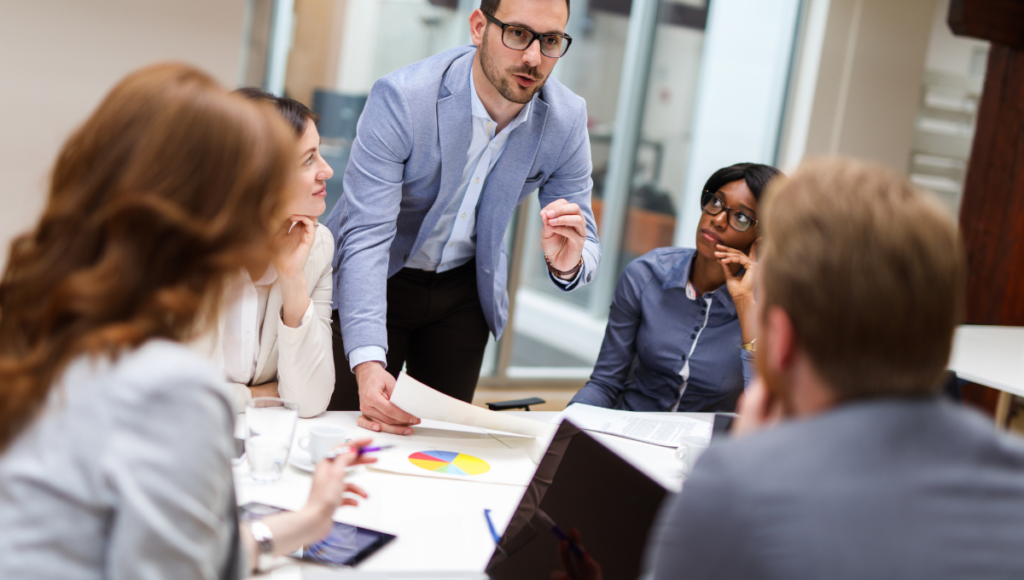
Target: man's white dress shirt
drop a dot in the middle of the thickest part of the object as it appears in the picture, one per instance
(452, 242)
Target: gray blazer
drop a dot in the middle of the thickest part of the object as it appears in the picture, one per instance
(405, 166)
(126, 473)
(881, 489)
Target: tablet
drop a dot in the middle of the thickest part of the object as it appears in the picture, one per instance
(345, 545)
(579, 484)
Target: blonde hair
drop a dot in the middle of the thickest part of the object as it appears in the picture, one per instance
(871, 272)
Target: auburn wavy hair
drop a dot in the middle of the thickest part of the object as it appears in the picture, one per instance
(168, 188)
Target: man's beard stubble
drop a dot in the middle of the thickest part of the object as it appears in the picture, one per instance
(502, 83)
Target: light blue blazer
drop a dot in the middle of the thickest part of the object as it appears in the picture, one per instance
(404, 169)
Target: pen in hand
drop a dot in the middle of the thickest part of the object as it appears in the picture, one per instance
(358, 450)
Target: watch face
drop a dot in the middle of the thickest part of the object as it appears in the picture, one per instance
(261, 533)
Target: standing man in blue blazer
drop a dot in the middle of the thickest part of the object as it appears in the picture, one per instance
(444, 151)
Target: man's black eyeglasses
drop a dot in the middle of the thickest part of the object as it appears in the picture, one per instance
(714, 205)
(519, 38)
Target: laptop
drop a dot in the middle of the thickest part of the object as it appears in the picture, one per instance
(579, 484)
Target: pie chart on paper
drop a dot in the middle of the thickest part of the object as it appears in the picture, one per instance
(449, 462)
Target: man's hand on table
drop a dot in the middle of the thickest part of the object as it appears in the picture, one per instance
(375, 387)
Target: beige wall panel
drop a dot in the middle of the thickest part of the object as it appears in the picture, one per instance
(316, 47)
(58, 58)
(869, 81)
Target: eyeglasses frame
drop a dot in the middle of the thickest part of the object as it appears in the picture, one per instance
(536, 36)
(728, 210)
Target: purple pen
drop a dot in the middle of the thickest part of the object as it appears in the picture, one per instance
(359, 450)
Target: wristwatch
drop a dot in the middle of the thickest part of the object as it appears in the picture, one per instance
(264, 544)
(749, 346)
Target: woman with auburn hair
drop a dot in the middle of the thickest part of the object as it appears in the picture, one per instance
(678, 337)
(115, 439)
(274, 337)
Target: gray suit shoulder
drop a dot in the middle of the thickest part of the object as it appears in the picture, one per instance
(908, 488)
(566, 103)
(165, 368)
(425, 74)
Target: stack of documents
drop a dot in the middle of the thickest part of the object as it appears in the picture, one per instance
(668, 429)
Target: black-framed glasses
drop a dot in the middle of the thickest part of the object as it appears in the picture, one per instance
(519, 38)
(712, 204)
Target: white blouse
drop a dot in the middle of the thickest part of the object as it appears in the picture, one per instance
(253, 346)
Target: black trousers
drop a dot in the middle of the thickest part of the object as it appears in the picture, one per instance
(436, 328)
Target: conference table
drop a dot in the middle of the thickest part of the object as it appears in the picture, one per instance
(439, 523)
(992, 356)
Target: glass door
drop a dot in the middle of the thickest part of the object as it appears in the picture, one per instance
(636, 63)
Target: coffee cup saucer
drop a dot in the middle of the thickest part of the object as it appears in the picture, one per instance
(300, 459)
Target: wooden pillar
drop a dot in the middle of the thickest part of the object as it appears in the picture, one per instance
(992, 207)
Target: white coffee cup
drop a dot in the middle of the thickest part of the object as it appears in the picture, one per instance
(322, 439)
(689, 450)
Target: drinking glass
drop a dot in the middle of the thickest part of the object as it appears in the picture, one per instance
(271, 425)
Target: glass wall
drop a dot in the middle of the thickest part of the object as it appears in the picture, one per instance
(645, 197)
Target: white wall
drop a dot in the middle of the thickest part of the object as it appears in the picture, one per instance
(950, 54)
(58, 58)
(748, 46)
(864, 73)
(382, 36)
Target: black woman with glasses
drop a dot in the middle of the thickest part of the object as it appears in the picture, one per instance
(679, 337)
(445, 150)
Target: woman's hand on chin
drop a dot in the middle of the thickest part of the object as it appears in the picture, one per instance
(292, 244)
(741, 288)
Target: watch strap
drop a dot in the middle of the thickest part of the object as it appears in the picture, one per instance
(264, 544)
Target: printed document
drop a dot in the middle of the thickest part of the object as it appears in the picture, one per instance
(668, 430)
(421, 401)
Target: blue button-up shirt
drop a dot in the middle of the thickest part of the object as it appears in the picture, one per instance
(665, 347)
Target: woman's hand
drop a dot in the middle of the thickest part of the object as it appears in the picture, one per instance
(292, 244)
(329, 488)
(292, 530)
(291, 247)
(741, 288)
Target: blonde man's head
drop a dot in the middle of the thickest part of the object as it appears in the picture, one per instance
(871, 273)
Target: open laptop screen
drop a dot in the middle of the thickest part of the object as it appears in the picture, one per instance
(580, 484)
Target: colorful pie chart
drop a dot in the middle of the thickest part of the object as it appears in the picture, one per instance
(449, 462)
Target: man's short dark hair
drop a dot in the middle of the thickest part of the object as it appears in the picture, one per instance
(293, 111)
(756, 176)
(491, 6)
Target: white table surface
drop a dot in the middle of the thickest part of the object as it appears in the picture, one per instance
(439, 523)
(990, 355)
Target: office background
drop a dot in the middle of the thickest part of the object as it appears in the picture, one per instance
(674, 88)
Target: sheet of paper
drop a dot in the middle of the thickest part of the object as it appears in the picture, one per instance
(667, 431)
(420, 400)
(462, 460)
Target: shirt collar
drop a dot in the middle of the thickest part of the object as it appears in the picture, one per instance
(679, 275)
(268, 277)
(481, 112)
